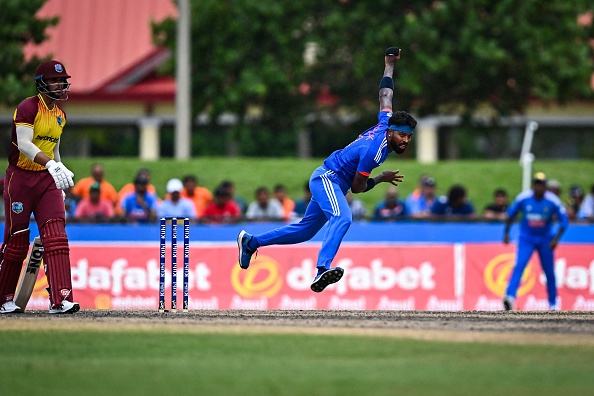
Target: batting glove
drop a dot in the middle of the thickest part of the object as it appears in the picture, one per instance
(62, 175)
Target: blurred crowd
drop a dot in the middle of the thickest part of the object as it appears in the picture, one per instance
(424, 203)
(94, 199)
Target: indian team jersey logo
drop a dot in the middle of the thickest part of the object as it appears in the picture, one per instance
(17, 207)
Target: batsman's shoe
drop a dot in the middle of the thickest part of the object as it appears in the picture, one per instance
(245, 253)
(328, 277)
(508, 303)
(10, 307)
(67, 307)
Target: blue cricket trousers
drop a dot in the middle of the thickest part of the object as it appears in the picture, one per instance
(328, 204)
(526, 246)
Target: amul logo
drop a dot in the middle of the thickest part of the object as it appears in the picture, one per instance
(262, 279)
(498, 272)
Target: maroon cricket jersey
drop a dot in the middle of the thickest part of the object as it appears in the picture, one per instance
(47, 128)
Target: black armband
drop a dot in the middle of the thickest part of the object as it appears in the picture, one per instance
(387, 82)
(370, 184)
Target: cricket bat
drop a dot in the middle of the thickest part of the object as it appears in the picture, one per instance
(27, 283)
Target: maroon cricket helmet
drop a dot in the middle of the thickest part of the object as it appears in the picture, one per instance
(52, 69)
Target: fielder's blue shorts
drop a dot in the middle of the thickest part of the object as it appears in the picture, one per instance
(328, 204)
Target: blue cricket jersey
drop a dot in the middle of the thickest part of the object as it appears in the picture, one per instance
(364, 154)
(538, 214)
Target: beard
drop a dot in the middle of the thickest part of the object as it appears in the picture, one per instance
(399, 150)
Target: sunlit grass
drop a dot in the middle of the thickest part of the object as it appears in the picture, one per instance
(154, 363)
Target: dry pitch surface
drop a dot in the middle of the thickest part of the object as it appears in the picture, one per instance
(561, 328)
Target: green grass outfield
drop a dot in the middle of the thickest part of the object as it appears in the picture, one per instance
(41, 361)
(480, 177)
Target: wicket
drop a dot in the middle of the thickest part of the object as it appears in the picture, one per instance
(162, 260)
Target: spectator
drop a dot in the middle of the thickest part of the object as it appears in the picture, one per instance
(200, 196)
(391, 208)
(82, 188)
(174, 205)
(357, 206)
(301, 204)
(498, 208)
(140, 206)
(555, 187)
(240, 201)
(587, 207)
(454, 206)
(222, 209)
(417, 191)
(576, 197)
(95, 208)
(264, 208)
(420, 201)
(129, 188)
(70, 202)
(280, 193)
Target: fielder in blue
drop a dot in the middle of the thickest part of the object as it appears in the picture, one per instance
(344, 170)
(539, 209)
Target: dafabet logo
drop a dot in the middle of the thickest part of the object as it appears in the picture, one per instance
(499, 270)
(262, 279)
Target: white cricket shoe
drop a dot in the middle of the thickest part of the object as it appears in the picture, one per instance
(66, 307)
(10, 307)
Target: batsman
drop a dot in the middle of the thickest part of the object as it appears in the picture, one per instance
(34, 184)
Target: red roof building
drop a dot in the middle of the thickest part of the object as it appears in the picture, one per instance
(107, 48)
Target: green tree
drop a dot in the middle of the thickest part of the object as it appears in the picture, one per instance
(501, 53)
(18, 27)
(457, 56)
(460, 55)
(247, 59)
